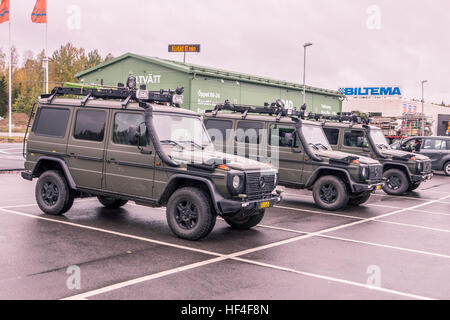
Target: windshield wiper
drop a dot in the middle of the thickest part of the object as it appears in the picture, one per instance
(194, 144)
(173, 142)
(382, 145)
(315, 147)
(321, 145)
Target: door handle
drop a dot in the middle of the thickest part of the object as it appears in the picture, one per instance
(112, 160)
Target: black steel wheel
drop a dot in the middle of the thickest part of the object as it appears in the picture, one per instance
(189, 214)
(397, 183)
(248, 222)
(53, 194)
(330, 193)
(111, 203)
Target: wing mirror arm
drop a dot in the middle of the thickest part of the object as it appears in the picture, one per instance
(134, 137)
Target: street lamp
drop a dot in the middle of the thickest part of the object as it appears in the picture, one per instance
(423, 112)
(304, 70)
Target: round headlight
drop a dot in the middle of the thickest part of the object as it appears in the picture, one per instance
(236, 182)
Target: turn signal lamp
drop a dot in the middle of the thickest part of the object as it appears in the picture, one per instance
(355, 162)
(224, 167)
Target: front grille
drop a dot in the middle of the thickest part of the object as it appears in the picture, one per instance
(254, 190)
(426, 167)
(376, 173)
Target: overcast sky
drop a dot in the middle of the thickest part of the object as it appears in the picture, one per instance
(356, 42)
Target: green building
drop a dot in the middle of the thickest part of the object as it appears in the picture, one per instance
(205, 87)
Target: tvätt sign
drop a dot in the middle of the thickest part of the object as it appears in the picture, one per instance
(372, 91)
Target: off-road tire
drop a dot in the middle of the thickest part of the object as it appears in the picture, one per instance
(359, 200)
(111, 203)
(338, 191)
(413, 186)
(447, 168)
(189, 214)
(247, 222)
(397, 183)
(53, 194)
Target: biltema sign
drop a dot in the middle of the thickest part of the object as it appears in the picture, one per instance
(371, 91)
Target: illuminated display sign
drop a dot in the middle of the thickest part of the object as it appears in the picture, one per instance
(184, 48)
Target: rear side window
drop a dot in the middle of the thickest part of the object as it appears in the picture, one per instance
(448, 144)
(51, 122)
(431, 144)
(219, 130)
(90, 125)
(122, 123)
(332, 135)
(249, 132)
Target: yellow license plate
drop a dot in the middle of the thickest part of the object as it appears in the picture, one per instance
(378, 187)
(264, 205)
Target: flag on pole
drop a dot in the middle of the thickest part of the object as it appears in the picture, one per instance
(4, 11)
(39, 14)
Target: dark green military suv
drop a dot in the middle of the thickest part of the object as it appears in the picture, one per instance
(403, 171)
(126, 144)
(298, 148)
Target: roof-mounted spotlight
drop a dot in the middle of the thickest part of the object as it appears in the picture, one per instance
(131, 83)
(179, 90)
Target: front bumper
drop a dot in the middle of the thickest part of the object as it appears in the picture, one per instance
(421, 177)
(231, 208)
(371, 187)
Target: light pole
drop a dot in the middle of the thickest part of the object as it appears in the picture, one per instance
(304, 70)
(423, 112)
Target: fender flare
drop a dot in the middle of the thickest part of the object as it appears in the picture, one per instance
(63, 165)
(408, 172)
(316, 172)
(215, 194)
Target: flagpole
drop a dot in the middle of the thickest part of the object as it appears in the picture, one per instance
(46, 61)
(9, 78)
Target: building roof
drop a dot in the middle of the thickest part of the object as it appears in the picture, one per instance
(211, 72)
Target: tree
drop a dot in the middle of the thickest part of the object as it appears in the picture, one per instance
(3, 96)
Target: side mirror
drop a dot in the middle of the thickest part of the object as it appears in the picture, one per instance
(360, 142)
(134, 133)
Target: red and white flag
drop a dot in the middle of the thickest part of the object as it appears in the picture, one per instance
(39, 14)
(4, 11)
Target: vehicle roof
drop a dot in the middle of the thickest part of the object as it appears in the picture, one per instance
(114, 104)
(332, 124)
(257, 117)
(427, 137)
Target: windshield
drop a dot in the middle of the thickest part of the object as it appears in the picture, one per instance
(315, 137)
(379, 139)
(182, 131)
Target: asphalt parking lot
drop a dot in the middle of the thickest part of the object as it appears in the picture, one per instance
(390, 248)
(11, 156)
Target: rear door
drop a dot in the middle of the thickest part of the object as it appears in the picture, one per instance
(281, 145)
(434, 149)
(127, 170)
(86, 147)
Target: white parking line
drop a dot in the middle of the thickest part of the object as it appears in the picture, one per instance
(319, 212)
(236, 255)
(328, 278)
(359, 242)
(84, 296)
(413, 226)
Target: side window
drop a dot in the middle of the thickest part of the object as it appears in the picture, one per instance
(432, 144)
(90, 125)
(219, 130)
(51, 122)
(355, 138)
(122, 123)
(332, 135)
(283, 136)
(448, 144)
(249, 132)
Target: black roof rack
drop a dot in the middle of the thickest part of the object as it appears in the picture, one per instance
(276, 108)
(121, 93)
